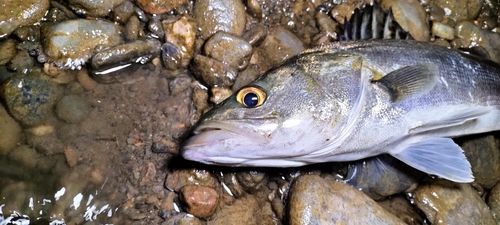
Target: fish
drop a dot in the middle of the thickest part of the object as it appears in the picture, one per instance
(357, 99)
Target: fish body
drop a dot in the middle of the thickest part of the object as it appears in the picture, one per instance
(352, 100)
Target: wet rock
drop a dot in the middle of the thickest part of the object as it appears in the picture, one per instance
(139, 51)
(182, 34)
(219, 15)
(247, 210)
(160, 6)
(156, 27)
(229, 48)
(461, 9)
(180, 178)
(326, 25)
(24, 155)
(484, 156)
(445, 202)
(342, 12)
(71, 156)
(84, 79)
(254, 9)
(199, 201)
(148, 174)
(200, 99)
(21, 62)
(252, 181)
(48, 144)
(494, 202)
(71, 43)
(255, 35)
(411, 17)
(133, 28)
(122, 12)
(182, 219)
(41, 130)
(179, 85)
(246, 76)
(8, 50)
(10, 132)
(313, 200)
(231, 182)
(443, 31)
(94, 8)
(14, 14)
(402, 208)
(220, 94)
(72, 109)
(471, 35)
(279, 45)
(375, 176)
(30, 97)
(213, 72)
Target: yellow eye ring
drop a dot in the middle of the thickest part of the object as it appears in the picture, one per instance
(251, 96)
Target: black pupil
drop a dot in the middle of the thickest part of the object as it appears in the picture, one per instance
(251, 99)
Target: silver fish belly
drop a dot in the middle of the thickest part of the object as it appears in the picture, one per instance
(352, 100)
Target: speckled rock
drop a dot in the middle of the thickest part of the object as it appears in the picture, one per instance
(8, 50)
(246, 210)
(375, 176)
(445, 202)
(219, 15)
(160, 6)
(180, 178)
(122, 12)
(229, 48)
(94, 8)
(213, 72)
(30, 97)
(494, 202)
(182, 34)
(199, 200)
(141, 51)
(471, 35)
(313, 200)
(411, 17)
(442, 30)
(401, 207)
(72, 108)
(14, 14)
(460, 9)
(219, 94)
(71, 43)
(279, 45)
(484, 156)
(10, 132)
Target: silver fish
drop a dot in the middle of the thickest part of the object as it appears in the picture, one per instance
(352, 100)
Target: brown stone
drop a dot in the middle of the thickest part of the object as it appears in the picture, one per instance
(199, 200)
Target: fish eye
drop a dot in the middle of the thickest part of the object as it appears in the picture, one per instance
(251, 96)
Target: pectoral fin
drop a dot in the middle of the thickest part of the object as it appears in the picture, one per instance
(410, 80)
(438, 156)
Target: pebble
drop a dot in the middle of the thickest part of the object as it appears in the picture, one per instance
(93, 8)
(10, 132)
(326, 25)
(72, 42)
(460, 9)
(84, 79)
(403, 209)
(213, 72)
(219, 15)
(246, 76)
(375, 176)
(182, 219)
(313, 200)
(471, 35)
(148, 174)
(247, 210)
(442, 30)
(24, 155)
(123, 12)
(199, 200)
(220, 94)
(72, 109)
(231, 182)
(252, 181)
(41, 130)
(230, 49)
(180, 178)
(411, 17)
(494, 202)
(140, 51)
(21, 62)
(445, 202)
(30, 97)
(255, 35)
(133, 28)
(182, 34)
(279, 45)
(14, 14)
(342, 12)
(71, 156)
(484, 156)
(179, 85)
(8, 50)
(160, 6)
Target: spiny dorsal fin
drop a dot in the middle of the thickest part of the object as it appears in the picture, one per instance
(410, 80)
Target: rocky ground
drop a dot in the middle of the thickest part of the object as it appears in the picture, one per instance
(97, 97)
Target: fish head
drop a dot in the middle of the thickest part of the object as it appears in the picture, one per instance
(277, 120)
